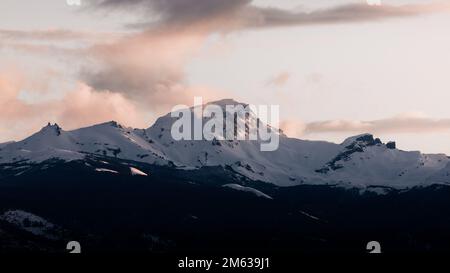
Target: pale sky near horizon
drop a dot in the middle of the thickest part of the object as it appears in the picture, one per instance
(336, 68)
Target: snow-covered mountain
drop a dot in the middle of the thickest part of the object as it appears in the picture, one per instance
(106, 139)
(359, 161)
(365, 161)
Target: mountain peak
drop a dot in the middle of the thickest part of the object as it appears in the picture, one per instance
(225, 102)
(111, 123)
(365, 138)
(52, 128)
(50, 125)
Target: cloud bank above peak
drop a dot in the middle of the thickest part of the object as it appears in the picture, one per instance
(150, 65)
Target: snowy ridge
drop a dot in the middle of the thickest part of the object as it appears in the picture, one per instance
(106, 139)
(368, 162)
(103, 170)
(247, 189)
(361, 161)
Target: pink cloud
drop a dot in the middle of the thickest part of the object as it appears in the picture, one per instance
(280, 79)
(405, 123)
(80, 107)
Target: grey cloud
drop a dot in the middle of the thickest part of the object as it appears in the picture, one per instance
(174, 12)
(241, 13)
(140, 84)
(403, 124)
(146, 67)
(149, 66)
(56, 35)
(272, 17)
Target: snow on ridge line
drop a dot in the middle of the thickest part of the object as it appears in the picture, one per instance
(106, 170)
(247, 189)
(309, 215)
(135, 171)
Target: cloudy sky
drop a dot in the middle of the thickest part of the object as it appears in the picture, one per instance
(336, 67)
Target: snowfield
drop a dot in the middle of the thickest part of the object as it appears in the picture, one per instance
(135, 171)
(30, 223)
(361, 161)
